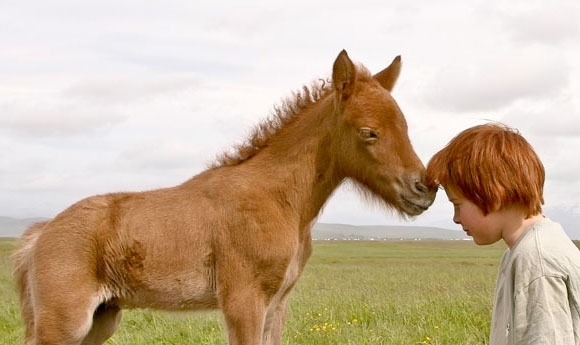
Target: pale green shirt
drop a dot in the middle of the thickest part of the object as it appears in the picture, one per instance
(538, 290)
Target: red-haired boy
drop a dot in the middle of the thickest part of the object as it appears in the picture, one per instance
(495, 181)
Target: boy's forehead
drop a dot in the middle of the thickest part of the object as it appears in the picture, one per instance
(452, 192)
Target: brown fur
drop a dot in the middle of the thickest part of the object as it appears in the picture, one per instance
(235, 237)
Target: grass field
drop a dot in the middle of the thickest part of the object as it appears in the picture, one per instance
(436, 292)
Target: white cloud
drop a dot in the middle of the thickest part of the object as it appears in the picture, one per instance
(131, 95)
(37, 115)
(496, 81)
(553, 117)
(536, 22)
(159, 154)
(123, 91)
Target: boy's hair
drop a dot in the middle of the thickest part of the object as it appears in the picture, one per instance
(493, 166)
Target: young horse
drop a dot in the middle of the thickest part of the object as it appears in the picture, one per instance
(235, 237)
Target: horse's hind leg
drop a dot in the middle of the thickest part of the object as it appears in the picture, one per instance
(65, 320)
(27, 313)
(65, 307)
(105, 321)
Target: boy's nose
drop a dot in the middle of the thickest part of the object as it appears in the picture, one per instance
(456, 219)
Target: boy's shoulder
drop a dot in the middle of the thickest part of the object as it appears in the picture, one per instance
(545, 246)
(544, 232)
(550, 237)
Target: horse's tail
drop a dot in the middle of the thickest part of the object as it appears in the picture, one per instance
(21, 258)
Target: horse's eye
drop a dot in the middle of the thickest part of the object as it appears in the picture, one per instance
(368, 135)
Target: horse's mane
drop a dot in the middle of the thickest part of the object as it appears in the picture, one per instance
(286, 112)
(289, 109)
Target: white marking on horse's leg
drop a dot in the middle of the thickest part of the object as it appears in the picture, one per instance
(276, 313)
(100, 297)
(274, 324)
(106, 319)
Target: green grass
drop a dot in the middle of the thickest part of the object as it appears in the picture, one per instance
(360, 293)
(10, 326)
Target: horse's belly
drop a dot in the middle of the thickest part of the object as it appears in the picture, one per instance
(172, 273)
(171, 283)
(175, 292)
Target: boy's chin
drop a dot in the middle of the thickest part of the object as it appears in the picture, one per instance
(482, 241)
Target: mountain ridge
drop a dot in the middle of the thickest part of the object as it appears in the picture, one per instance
(14, 227)
(327, 231)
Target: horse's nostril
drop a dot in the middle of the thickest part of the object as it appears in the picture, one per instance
(421, 187)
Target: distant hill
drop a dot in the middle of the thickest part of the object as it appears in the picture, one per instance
(323, 231)
(12, 227)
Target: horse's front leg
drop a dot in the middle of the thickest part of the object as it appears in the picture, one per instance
(274, 323)
(244, 312)
(276, 313)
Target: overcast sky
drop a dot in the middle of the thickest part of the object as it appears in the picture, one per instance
(103, 96)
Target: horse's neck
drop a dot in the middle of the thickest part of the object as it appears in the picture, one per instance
(299, 164)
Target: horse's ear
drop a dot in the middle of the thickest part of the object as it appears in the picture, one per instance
(388, 77)
(343, 75)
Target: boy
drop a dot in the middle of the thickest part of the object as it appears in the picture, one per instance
(495, 180)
